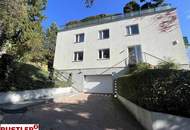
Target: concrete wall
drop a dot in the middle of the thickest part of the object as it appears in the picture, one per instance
(156, 121)
(13, 97)
(151, 38)
(78, 75)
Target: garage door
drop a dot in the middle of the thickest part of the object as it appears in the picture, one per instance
(98, 84)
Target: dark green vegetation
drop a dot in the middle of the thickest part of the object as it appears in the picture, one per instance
(26, 45)
(27, 77)
(160, 90)
(21, 31)
(131, 6)
(135, 5)
(100, 16)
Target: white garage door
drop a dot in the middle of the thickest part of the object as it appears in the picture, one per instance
(98, 84)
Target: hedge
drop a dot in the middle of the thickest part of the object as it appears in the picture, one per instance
(166, 91)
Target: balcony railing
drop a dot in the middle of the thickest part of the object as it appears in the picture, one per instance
(116, 17)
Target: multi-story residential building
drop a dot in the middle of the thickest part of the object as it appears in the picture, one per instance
(92, 52)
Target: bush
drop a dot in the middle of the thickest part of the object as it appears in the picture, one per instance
(166, 91)
(139, 67)
(169, 64)
(28, 77)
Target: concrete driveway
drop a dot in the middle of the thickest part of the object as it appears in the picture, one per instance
(79, 112)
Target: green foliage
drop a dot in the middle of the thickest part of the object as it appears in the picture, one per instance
(50, 41)
(169, 64)
(142, 5)
(28, 77)
(131, 7)
(139, 67)
(90, 18)
(22, 33)
(164, 91)
(94, 17)
(135, 5)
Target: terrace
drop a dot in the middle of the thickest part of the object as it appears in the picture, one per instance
(116, 17)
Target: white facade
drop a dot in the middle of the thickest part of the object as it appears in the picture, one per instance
(157, 40)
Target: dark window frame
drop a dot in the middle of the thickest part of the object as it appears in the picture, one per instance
(78, 56)
(133, 30)
(103, 55)
(80, 38)
(104, 34)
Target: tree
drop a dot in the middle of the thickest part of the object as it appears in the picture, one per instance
(135, 5)
(49, 45)
(131, 6)
(22, 33)
(50, 41)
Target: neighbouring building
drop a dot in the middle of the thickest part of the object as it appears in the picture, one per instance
(93, 52)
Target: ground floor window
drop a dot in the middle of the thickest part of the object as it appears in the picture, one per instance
(104, 54)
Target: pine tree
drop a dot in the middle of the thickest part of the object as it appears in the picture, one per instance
(50, 43)
(22, 32)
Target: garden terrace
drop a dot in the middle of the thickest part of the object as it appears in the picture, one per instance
(100, 19)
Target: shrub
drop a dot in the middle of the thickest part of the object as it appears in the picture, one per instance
(139, 67)
(169, 64)
(166, 91)
(28, 77)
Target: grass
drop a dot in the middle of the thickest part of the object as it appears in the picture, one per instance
(28, 77)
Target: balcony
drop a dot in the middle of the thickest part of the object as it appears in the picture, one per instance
(116, 18)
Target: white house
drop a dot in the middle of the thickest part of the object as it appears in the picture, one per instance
(93, 51)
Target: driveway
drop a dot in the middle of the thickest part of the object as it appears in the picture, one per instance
(79, 112)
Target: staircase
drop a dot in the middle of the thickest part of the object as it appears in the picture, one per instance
(67, 77)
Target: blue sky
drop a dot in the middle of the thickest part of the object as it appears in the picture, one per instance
(62, 11)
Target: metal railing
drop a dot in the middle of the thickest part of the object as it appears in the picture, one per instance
(116, 17)
(127, 63)
(64, 77)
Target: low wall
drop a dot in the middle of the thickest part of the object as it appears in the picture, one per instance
(13, 97)
(154, 120)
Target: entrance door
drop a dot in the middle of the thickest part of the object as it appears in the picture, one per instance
(135, 54)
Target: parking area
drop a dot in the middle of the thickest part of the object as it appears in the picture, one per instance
(79, 112)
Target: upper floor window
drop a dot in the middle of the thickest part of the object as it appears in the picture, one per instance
(132, 30)
(104, 54)
(104, 34)
(79, 38)
(78, 56)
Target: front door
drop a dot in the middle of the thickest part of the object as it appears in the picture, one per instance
(135, 54)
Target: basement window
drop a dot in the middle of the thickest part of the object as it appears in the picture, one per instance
(78, 56)
(104, 54)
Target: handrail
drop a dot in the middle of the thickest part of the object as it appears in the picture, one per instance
(156, 57)
(162, 59)
(114, 66)
(74, 87)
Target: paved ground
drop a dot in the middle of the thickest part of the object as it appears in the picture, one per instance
(80, 112)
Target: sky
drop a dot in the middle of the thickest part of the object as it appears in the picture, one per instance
(63, 11)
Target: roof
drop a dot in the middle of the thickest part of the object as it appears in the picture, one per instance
(114, 18)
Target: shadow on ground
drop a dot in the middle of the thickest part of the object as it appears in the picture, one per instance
(81, 112)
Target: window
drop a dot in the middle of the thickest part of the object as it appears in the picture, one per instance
(104, 54)
(133, 30)
(78, 56)
(135, 54)
(79, 38)
(104, 34)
